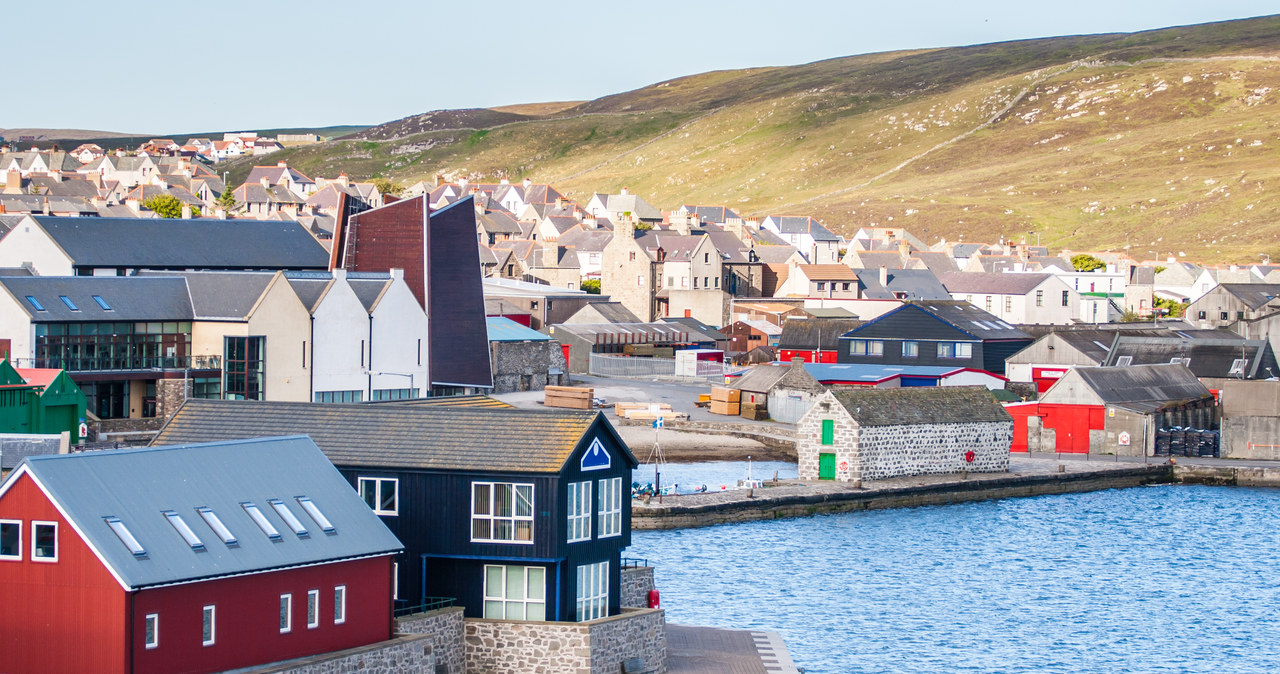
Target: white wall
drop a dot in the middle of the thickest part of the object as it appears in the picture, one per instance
(341, 340)
(399, 341)
(28, 242)
(15, 326)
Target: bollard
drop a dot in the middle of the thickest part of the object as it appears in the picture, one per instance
(1062, 468)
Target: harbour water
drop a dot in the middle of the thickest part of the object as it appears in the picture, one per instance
(1167, 578)
(689, 477)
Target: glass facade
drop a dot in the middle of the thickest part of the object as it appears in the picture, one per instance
(243, 367)
(88, 347)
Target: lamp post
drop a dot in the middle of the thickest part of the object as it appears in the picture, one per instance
(413, 392)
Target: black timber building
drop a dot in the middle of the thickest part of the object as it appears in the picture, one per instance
(934, 332)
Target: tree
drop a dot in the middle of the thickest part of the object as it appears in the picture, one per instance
(227, 200)
(1172, 308)
(167, 206)
(1086, 262)
(591, 285)
(388, 186)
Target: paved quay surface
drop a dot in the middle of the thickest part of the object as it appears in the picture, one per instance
(711, 650)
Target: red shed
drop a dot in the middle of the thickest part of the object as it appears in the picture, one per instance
(190, 558)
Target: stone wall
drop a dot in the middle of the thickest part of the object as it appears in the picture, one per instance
(409, 653)
(526, 366)
(636, 583)
(444, 630)
(595, 647)
(170, 394)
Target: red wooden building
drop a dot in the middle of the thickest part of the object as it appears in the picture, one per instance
(188, 558)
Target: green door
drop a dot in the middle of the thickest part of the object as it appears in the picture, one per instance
(826, 466)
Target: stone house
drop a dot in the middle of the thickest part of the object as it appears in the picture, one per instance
(859, 434)
(523, 359)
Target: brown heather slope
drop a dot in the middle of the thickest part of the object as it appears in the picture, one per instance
(1163, 141)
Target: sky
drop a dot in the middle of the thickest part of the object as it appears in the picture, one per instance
(153, 68)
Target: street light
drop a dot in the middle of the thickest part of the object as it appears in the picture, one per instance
(413, 392)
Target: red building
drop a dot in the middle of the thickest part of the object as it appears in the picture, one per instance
(189, 558)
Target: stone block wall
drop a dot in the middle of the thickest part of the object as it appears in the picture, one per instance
(922, 449)
(407, 653)
(636, 583)
(526, 366)
(844, 442)
(444, 630)
(595, 647)
(170, 394)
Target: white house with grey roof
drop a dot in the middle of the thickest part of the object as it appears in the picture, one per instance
(819, 244)
(1040, 299)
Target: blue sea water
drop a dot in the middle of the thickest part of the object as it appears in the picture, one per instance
(688, 477)
(1150, 579)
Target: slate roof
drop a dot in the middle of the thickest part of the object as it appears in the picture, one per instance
(220, 295)
(921, 405)
(805, 333)
(803, 224)
(137, 485)
(1141, 385)
(774, 254)
(131, 298)
(613, 312)
(914, 284)
(368, 290)
(586, 240)
(1208, 357)
(970, 319)
(1253, 295)
(990, 283)
(419, 437)
(716, 214)
(698, 326)
(763, 326)
(309, 290)
(502, 329)
(765, 377)
(204, 243)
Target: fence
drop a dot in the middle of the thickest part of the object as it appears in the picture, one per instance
(654, 368)
(788, 408)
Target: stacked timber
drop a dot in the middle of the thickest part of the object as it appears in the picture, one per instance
(569, 397)
(755, 411)
(726, 401)
(648, 412)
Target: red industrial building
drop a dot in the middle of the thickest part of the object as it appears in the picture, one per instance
(190, 558)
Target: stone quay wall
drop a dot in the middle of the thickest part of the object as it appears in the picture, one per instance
(595, 647)
(1243, 476)
(407, 653)
(636, 583)
(444, 630)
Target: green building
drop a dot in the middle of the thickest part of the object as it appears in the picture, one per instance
(40, 401)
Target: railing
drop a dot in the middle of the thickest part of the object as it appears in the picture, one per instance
(431, 604)
(634, 562)
(602, 365)
(122, 363)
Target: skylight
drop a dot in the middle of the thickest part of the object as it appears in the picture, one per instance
(35, 303)
(126, 537)
(211, 518)
(314, 511)
(102, 303)
(67, 301)
(289, 518)
(184, 530)
(261, 520)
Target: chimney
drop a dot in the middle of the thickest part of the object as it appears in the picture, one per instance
(527, 183)
(220, 213)
(134, 205)
(797, 363)
(439, 179)
(735, 227)
(462, 185)
(884, 276)
(13, 183)
(589, 222)
(186, 211)
(624, 192)
(562, 202)
(46, 205)
(680, 223)
(504, 181)
(339, 274)
(1, 209)
(397, 274)
(96, 179)
(282, 164)
(265, 183)
(624, 228)
(904, 249)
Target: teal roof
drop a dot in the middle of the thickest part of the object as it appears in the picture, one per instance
(503, 329)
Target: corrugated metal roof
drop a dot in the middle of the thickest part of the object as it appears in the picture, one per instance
(137, 485)
(1141, 383)
(929, 405)
(398, 436)
(506, 330)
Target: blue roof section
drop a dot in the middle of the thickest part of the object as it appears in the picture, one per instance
(873, 373)
(503, 329)
(138, 485)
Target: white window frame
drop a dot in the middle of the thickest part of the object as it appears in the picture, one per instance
(593, 591)
(211, 613)
(579, 512)
(35, 528)
(286, 602)
(152, 621)
(609, 508)
(910, 348)
(964, 350)
(866, 347)
(18, 557)
(377, 493)
(313, 609)
(500, 595)
(339, 604)
(494, 519)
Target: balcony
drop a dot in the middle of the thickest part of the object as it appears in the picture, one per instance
(123, 363)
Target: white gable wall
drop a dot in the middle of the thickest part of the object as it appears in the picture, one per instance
(399, 341)
(29, 243)
(340, 337)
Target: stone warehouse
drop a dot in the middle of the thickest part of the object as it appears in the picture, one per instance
(873, 434)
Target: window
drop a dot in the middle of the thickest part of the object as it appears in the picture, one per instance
(1039, 298)
(126, 536)
(1222, 315)
(206, 387)
(339, 396)
(313, 511)
(313, 609)
(1237, 366)
(639, 281)
(207, 633)
(151, 630)
(35, 303)
(261, 520)
(579, 511)
(821, 285)
(695, 283)
(593, 591)
(102, 303)
(286, 613)
(243, 367)
(67, 301)
(395, 394)
(866, 347)
(844, 286)
(44, 541)
(828, 431)
(1239, 315)
(609, 508)
(1201, 315)
(988, 303)
(211, 518)
(380, 494)
(339, 604)
(671, 280)
(955, 350)
(515, 592)
(910, 349)
(1008, 303)
(185, 531)
(631, 257)
(1124, 361)
(502, 512)
(11, 539)
(1066, 298)
(289, 518)
(706, 258)
(964, 350)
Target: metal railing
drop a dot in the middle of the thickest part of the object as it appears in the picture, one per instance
(122, 363)
(633, 367)
(430, 604)
(634, 562)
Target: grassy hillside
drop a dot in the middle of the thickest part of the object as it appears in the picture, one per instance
(1163, 141)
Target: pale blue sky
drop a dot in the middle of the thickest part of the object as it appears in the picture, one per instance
(180, 66)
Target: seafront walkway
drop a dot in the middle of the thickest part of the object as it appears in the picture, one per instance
(711, 650)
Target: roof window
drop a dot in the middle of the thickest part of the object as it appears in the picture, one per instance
(289, 518)
(211, 518)
(126, 537)
(314, 512)
(184, 530)
(261, 520)
(35, 303)
(102, 303)
(1124, 361)
(67, 301)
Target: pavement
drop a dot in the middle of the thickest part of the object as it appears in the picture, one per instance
(711, 650)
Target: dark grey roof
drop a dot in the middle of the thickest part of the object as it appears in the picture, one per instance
(137, 485)
(221, 295)
(991, 283)
(612, 312)
(921, 405)
(309, 290)
(774, 254)
(131, 298)
(368, 290)
(1254, 295)
(8, 222)
(914, 284)
(803, 224)
(699, 326)
(1206, 357)
(420, 437)
(807, 333)
(766, 377)
(1142, 383)
(971, 319)
(202, 243)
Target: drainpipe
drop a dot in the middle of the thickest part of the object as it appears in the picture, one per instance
(311, 371)
(370, 368)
